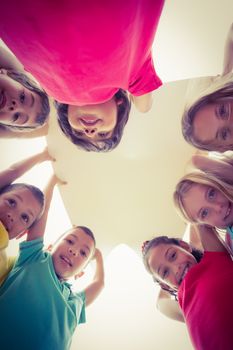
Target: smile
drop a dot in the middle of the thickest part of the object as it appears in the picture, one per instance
(66, 260)
(89, 120)
(2, 100)
(186, 269)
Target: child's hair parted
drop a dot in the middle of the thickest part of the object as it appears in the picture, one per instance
(41, 118)
(156, 241)
(106, 145)
(220, 90)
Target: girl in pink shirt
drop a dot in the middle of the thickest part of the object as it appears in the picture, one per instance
(86, 55)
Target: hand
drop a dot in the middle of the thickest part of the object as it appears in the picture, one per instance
(97, 255)
(57, 181)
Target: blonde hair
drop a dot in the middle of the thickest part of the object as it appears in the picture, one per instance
(213, 179)
(216, 90)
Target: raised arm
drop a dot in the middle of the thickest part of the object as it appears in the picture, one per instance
(38, 228)
(18, 169)
(96, 286)
(168, 306)
(143, 103)
(9, 61)
(228, 53)
(210, 239)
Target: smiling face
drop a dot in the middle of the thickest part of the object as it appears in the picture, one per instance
(19, 106)
(207, 205)
(94, 122)
(18, 210)
(213, 123)
(72, 253)
(169, 263)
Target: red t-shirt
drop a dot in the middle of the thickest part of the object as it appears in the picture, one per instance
(206, 298)
(83, 51)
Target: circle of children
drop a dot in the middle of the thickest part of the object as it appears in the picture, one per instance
(92, 80)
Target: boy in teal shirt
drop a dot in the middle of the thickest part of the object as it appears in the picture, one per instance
(35, 300)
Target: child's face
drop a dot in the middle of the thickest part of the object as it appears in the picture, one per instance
(18, 105)
(94, 122)
(169, 263)
(72, 253)
(18, 210)
(219, 119)
(206, 205)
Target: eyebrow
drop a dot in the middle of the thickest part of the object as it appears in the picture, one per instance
(33, 100)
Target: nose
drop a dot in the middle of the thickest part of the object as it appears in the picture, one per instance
(72, 251)
(90, 131)
(218, 207)
(13, 105)
(10, 217)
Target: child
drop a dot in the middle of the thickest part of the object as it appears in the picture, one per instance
(205, 196)
(20, 205)
(203, 285)
(24, 107)
(213, 108)
(86, 55)
(36, 299)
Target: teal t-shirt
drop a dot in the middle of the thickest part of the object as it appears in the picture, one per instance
(37, 310)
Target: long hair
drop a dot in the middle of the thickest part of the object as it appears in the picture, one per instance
(123, 110)
(41, 118)
(220, 89)
(148, 245)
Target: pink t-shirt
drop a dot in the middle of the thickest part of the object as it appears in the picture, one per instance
(206, 298)
(83, 51)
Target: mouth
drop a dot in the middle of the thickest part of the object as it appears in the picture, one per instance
(66, 260)
(227, 211)
(89, 120)
(183, 274)
(2, 100)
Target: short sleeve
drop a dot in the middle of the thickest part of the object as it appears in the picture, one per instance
(80, 307)
(146, 79)
(30, 251)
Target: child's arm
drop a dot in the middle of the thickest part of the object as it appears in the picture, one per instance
(94, 289)
(18, 169)
(213, 166)
(38, 132)
(228, 53)
(9, 61)
(38, 228)
(143, 103)
(210, 239)
(168, 306)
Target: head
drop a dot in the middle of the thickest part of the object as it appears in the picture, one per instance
(204, 199)
(168, 260)
(208, 122)
(98, 127)
(23, 105)
(21, 205)
(72, 252)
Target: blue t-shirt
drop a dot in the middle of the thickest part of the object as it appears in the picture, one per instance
(37, 310)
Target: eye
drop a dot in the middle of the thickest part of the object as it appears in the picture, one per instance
(15, 117)
(211, 193)
(83, 253)
(204, 213)
(69, 241)
(173, 256)
(22, 97)
(223, 111)
(11, 202)
(25, 218)
(79, 133)
(225, 133)
(103, 134)
(165, 273)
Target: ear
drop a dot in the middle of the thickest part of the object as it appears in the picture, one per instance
(78, 275)
(185, 246)
(50, 247)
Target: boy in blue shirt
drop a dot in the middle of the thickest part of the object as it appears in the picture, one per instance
(35, 300)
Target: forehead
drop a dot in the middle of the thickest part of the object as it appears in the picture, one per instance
(194, 198)
(81, 238)
(206, 115)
